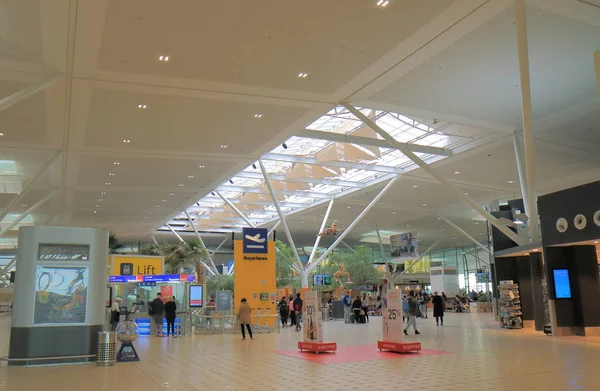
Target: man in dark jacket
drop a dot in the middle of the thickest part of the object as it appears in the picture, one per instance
(170, 315)
(413, 307)
(298, 304)
(156, 309)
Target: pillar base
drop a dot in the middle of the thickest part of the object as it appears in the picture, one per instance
(317, 347)
(399, 347)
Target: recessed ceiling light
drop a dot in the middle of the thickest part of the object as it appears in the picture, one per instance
(201, 166)
(163, 58)
(466, 193)
(164, 200)
(97, 205)
(439, 218)
(1, 134)
(116, 163)
(142, 106)
(181, 185)
(107, 183)
(303, 75)
(476, 223)
(150, 213)
(481, 233)
(257, 115)
(95, 212)
(158, 206)
(383, 3)
(23, 205)
(126, 141)
(393, 213)
(102, 192)
(423, 204)
(408, 225)
(453, 238)
(348, 206)
(191, 176)
(224, 145)
(415, 186)
(171, 194)
(443, 229)
(111, 174)
(457, 172)
(511, 181)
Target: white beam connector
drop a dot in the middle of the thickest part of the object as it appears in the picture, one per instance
(531, 209)
(17, 199)
(353, 224)
(236, 210)
(214, 267)
(28, 212)
(175, 233)
(318, 239)
(419, 162)
(466, 234)
(281, 215)
(26, 92)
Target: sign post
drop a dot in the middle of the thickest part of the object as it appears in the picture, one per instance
(313, 326)
(393, 338)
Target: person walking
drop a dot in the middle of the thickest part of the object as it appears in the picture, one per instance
(426, 300)
(284, 310)
(292, 312)
(347, 301)
(155, 310)
(412, 314)
(298, 303)
(115, 313)
(438, 308)
(356, 308)
(243, 316)
(366, 301)
(170, 315)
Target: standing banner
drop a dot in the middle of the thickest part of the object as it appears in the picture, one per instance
(313, 318)
(392, 317)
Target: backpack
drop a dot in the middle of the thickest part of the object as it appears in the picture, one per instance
(284, 307)
(347, 301)
(151, 309)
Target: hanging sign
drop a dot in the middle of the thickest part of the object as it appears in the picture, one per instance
(313, 318)
(392, 317)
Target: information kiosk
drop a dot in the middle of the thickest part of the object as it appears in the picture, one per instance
(393, 337)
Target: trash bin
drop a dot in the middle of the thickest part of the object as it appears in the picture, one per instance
(107, 348)
(325, 311)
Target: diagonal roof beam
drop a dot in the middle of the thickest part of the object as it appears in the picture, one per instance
(256, 190)
(283, 178)
(344, 138)
(307, 160)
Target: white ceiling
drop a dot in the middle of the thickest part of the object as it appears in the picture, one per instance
(454, 61)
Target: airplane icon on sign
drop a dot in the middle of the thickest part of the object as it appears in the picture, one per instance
(256, 238)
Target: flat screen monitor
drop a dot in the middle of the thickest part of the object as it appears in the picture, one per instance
(196, 296)
(321, 279)
(562, 286)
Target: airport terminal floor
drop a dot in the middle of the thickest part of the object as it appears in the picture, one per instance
(468, 353)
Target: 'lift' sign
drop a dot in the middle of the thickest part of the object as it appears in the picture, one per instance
(123, 265)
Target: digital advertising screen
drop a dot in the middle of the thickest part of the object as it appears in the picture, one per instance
(562, 286)
(321, 279)
(196, 296)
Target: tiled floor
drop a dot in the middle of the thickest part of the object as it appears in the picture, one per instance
(480, 358)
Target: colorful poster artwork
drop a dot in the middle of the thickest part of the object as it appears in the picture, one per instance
(60, 295)
(405, 245)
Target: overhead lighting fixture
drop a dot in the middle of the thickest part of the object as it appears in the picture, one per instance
(303, 75)
(213, 193)
(408, 225)
(23, 205)
(224, 146)
(1, 134)
(511, 181)
(191, 176)
(150, 213)
(116, 163)
(158, 206)
(163, 58)
(394, 213)
(107, 183)
(142, 106)
(439, 218)
(254, 166)
(171, 194)
(348, 206)
(257, 115)
(443, 229)
(466, 193)
(284, 145)
(415, 186)
(102, 192)
(164, 200)
(231, 181)
(95, 212)
(476, 223)
(181, 184)
(423, 204)
(457, 172)
(383, 3)
(111, 174)
(100, 199)
(126, 141)
(97, 205)
(201, 166)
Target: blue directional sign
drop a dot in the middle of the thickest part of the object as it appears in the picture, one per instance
(255, 240)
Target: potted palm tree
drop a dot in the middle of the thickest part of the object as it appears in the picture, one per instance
(185, 254)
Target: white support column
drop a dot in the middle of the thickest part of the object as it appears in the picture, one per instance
(176, 234)
(282, 220)
(521, 171)
(154, 239)
(318, 239)
(465, 234)
(16, 200)
(418, 161)
(521, 16)
(236, 210)
(219, 246)
(214, 267)
(27, 212)
(353, 224)
(26, 92)
(270, 234)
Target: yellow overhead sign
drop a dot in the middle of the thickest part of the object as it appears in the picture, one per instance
(135, 265)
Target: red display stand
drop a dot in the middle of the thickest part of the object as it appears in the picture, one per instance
(400, 347)
(317, 347)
